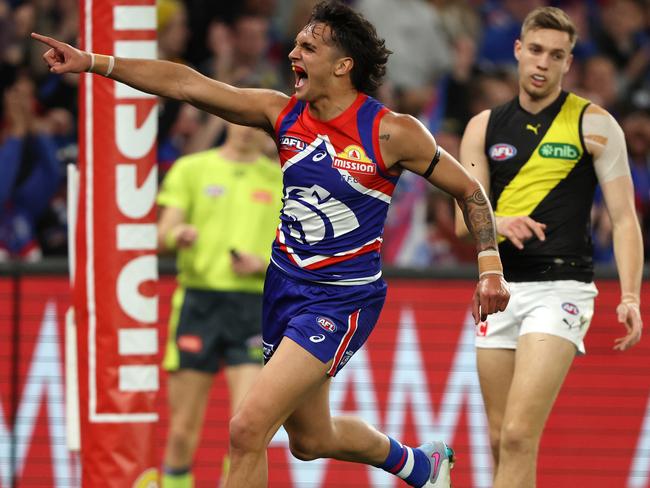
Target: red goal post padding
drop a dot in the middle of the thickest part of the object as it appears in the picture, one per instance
(115, 295)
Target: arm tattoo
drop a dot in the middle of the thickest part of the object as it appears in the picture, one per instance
(479, 219)
(384, 137)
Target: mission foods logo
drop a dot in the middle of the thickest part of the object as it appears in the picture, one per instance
(556, 150)
(354, 160)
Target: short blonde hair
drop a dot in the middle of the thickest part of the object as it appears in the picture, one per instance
(550, 18)
(166, 10)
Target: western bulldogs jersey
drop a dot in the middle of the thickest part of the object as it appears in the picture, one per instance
(336, 193)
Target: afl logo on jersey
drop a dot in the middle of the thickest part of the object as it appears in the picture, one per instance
(501, 152)
(354, 160)
(294, 143)
(326, 324)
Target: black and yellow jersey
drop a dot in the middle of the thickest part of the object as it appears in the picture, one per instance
(539, 167)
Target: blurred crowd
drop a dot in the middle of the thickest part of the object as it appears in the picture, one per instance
(452, 59)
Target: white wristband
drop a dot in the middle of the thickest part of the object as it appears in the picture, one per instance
(489, 263)
(630, 297)
(92, 63)
(485, 273)
(488, 252)
(111, 65)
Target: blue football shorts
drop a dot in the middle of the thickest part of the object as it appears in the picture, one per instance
(329, 321)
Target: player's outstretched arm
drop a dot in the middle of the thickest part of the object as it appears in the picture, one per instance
(606, 143)
(406, 142)
(258, 108)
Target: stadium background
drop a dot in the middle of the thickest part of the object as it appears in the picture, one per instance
(416, 379)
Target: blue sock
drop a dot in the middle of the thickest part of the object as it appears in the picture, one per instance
(412, 465)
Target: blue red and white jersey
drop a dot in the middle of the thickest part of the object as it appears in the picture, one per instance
(336, 193)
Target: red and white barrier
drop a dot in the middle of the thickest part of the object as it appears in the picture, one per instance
(115, 293)
(415, 379)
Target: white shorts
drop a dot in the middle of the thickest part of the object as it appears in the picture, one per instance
(561, 308)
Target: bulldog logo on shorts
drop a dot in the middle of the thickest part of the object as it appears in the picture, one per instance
(326, 324)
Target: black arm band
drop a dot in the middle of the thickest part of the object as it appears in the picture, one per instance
(432, 165)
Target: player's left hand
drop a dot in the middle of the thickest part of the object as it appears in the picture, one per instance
(630, 316)
(491, 295)
(244, 264)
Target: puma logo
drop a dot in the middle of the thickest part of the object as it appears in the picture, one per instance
(533, 128)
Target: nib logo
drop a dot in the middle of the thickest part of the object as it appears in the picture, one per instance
(556, 150)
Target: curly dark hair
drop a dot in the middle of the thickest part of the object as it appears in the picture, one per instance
(357, 38)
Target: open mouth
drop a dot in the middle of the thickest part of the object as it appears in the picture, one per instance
(538, 79)
(301, 76)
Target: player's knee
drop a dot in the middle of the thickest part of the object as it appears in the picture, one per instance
(244, 434)
(495, 442)
(517, 437)
(306, 448)
(179, 441)
(182, 438)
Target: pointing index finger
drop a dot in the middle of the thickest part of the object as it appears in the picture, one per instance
(46, 40)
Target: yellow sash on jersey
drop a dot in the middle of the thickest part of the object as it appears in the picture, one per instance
(556, 155)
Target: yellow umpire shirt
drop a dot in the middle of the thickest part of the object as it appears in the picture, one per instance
(233, 205)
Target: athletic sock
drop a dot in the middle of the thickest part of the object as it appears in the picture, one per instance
(225, 469)
(177, 478)
(412, 465)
